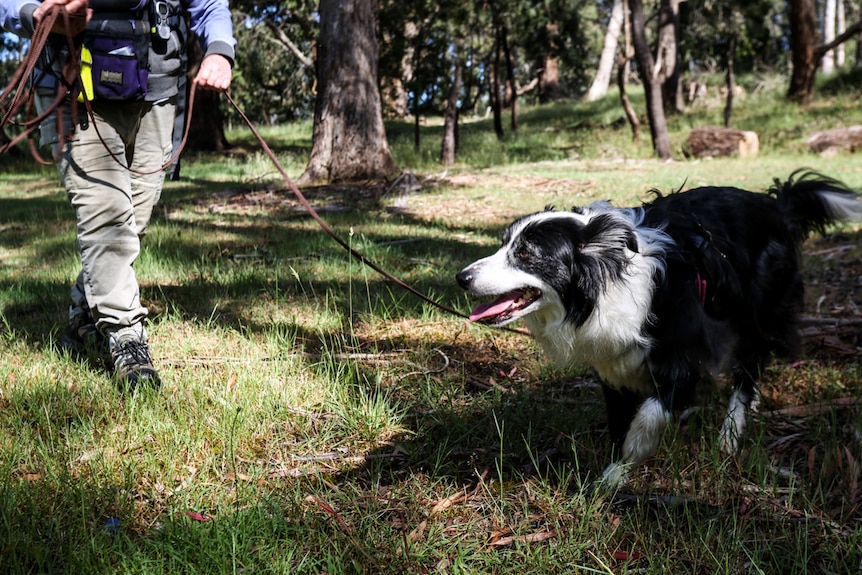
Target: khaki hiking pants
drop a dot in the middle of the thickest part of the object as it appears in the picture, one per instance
(112, 204)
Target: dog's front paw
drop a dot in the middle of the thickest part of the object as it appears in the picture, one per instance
(728, 441)
(614, 476)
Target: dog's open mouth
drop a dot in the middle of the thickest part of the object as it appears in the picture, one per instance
(505, 307)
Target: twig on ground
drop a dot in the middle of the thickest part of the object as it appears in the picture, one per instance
(814, 408)
(418, 533)
(428, 371)
(789, 512)
(485, 386)
(529, 538)
(319, 462)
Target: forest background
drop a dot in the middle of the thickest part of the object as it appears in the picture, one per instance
(462, 59)
(316, 419)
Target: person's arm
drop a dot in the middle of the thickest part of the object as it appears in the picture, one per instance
(16, 16)
(211, 22)
(22, 16)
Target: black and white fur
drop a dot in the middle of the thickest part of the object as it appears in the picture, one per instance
(664, 299)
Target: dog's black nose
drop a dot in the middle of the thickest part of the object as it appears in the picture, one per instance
(464, 278)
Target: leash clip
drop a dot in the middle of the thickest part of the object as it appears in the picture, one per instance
(161, 29)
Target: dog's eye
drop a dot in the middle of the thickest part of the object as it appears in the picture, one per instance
(523, 255)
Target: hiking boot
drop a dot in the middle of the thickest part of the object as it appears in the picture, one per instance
(131, 355)
(81, 336)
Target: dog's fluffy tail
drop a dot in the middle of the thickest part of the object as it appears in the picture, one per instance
(811, 201)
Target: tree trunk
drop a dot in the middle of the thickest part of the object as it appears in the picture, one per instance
(712, 141)
(467, 103)
(841, 25)
(730, 81)
(348, 141)
(858, 60)
(848, 33)
(206, 131)
(450, 118)
(511, 88)
(623, 59)
(394, 92)
(667, 59)
(413, 89)
(830, 141)
(652, 87)
(549, 76)
(602, 81)
(803, 37)
(827, 63)
(417, 139)
(496, 96)
(622, 79)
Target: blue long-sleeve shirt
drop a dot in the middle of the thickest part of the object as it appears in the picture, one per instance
(210, 21)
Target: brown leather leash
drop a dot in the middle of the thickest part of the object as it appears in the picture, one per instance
(326, 227)
(71, 74)
(334, 235)
(17, 96)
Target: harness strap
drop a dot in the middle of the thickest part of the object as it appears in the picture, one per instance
(700, 283)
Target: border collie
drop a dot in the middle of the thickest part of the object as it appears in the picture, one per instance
(663, 299)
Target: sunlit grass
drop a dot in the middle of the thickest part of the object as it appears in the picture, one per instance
(315, 419)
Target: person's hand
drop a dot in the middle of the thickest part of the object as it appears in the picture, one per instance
(214, 74)
(78, 10)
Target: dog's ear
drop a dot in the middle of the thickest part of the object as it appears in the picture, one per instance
(606, 231)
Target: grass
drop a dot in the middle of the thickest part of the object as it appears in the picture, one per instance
(315, 419)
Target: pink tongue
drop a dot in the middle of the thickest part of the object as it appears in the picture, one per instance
(494, 308)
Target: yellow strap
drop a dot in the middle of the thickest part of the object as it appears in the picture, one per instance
(86, 74)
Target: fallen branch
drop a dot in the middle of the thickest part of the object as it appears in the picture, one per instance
(796, 514)
(490, 384)
(335, 456)
(530, 538)
(320, 462)
(418, 533)
(837, 321)
(661, 500)
(814, 408)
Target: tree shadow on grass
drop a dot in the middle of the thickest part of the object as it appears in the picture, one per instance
(464, 435)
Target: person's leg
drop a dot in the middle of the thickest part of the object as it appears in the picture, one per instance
(81, 335)
(150, 150)
(99, 188)
(147, 152)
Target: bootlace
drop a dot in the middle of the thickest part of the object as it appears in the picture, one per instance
(133, 352)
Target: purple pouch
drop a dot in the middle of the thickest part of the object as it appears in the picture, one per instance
(119, 49)
(117, 70)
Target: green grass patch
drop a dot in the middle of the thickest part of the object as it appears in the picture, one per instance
(316, 419)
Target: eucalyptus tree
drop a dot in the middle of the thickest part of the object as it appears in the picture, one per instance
(559, 41)
(652, 85)
(348, 140)
(602, 79)
(419, 55)
(275, 69)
